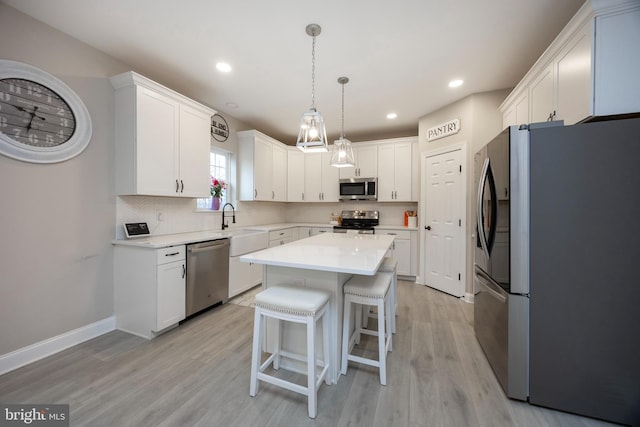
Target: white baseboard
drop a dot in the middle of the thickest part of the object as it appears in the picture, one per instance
(42, 349)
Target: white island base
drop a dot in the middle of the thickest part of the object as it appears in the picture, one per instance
(324, 262)
(293, 334)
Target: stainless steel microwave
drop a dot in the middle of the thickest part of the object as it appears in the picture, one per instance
(359, 189)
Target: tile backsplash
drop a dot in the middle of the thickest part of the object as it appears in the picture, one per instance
(168, 215)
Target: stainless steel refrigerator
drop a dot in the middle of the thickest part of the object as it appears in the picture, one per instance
(556, 279)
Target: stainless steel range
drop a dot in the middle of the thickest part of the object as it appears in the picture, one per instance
(361, 222)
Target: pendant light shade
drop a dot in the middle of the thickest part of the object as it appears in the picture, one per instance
(342, 154)
(312, 136)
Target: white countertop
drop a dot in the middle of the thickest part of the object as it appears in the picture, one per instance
(166, 240)
(341, 253)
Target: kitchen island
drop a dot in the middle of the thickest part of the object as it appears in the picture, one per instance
(325, 261)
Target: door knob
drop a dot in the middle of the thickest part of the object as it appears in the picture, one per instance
(428, 227)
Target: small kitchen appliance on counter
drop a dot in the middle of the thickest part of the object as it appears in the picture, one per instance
(361, 222)
(136, 229)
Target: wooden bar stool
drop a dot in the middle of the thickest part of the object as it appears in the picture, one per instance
(368, 291)
(299, 305)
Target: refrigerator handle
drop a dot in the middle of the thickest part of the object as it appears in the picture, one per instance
(487, 241)
(489, 284)
(494, 208)
(479, 217)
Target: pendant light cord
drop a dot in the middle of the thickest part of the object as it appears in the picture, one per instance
(342, 130)
(313, 72)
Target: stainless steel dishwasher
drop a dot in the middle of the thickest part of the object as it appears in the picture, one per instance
(207, 274)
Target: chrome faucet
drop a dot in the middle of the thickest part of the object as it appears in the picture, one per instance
(234, 215)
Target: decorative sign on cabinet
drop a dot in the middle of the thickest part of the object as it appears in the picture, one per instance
(162, 140)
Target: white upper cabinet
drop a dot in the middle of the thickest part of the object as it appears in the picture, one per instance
(519, 113)
(320, 178)
(395, 170)
(366, 159)
(541, 97)
(590, 69)
(162, 140)
(573, 78)
(262, 167)
(295, 175)
(279, 185)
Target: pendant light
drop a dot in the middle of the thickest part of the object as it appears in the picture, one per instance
(342, 155)
(312, 136)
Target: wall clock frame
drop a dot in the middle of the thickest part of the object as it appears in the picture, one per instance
(42, 120)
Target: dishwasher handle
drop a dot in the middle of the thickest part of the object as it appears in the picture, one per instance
(195, 248)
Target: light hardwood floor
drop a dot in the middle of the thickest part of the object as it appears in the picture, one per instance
(198, 375)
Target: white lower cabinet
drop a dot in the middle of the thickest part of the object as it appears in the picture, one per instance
(319, 230)
(403, 249)
(150, 289)
(243, 276)
(170, 294)
(282, 237)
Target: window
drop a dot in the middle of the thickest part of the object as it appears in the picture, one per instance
(219, 163)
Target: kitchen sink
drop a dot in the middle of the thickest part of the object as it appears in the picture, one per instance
(246, 240)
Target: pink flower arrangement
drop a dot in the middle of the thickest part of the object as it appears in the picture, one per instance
(217, 187)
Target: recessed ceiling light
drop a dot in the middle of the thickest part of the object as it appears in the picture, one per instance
(392, 116)
(455, 83)
(223, 67)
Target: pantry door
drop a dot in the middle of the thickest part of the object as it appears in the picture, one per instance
(443, 221)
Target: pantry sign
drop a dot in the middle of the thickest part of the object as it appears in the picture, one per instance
(445, 129)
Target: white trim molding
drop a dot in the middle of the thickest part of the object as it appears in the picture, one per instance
(42, 349)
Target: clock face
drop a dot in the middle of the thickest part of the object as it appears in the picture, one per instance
(42, 120)
(34, 115)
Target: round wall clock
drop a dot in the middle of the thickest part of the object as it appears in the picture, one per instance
(41, 119)
(219, 128)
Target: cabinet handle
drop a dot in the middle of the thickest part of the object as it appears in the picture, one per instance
(552, 116)
(273, 195)
(177, 186)
(319, 196)
(392, 234)
(184, 271)
(303, 195)
(255, 193)
(181, 186)
(172, 254)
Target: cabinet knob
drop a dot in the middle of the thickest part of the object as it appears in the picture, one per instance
(428, 227)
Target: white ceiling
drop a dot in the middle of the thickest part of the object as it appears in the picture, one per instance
(399, 55)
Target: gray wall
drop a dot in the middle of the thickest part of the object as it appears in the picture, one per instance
(480, 121)
(57, 220)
